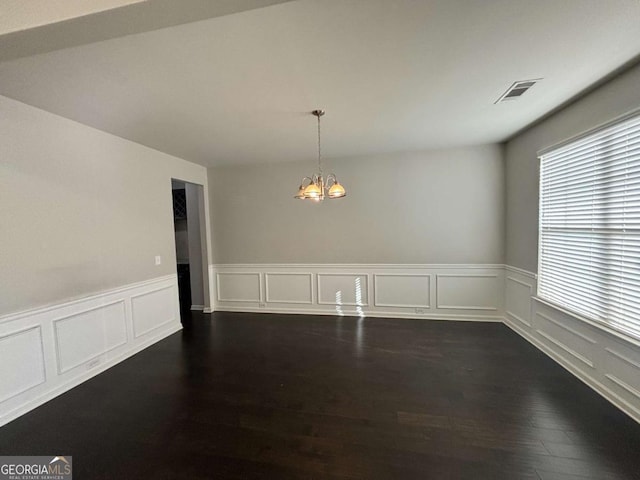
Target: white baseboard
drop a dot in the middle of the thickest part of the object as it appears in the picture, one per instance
(48, 351)
(197, 308)
(376, 314)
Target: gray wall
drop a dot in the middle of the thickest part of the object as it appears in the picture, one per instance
(80, 210)
(425, 207)
(613, 99)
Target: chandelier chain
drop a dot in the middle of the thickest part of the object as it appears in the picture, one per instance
(319, 149)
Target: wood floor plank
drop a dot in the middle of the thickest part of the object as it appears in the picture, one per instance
(249, 396)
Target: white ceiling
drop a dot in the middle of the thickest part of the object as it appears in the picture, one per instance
(23, 14)
(30, 27)
(393, 75)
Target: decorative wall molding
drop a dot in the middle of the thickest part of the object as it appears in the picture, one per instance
(622, 367)
(47, 351)
(565, 348)
(633, 391)
(520, 271)
(468, 289)
(153, 309)
(603, 360)
(94, 325)
(403, 291)
(239, 289)
(11, 317)
(624, 358)
(567, 328)
(374, 290)
(360, 266)
(598, 326)
(518, 295)
(298, 287)
(22, 356)
(343, 288)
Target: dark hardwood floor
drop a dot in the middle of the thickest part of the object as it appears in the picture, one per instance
(247, 396)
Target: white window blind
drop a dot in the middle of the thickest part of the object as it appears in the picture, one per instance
(589, 258)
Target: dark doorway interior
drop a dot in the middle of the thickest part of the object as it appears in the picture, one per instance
(190, 241)
(182, 246)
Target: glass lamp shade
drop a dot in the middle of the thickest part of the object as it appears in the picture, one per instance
(312, 191)
(300, 193)
(337, 191)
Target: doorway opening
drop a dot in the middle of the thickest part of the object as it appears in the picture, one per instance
(190, 242)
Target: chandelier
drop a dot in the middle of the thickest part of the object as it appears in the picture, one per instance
(316, 188)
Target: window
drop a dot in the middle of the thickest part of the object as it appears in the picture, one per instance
(589, 244)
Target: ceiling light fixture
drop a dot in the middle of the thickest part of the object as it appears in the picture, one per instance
(316, 188)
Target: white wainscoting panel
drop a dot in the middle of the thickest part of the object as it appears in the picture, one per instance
(468, 291)
(86, 335)
(46, 351)
(239, 287)
(607, 361)
(573, 344)
(402, 290)
(343, 289)
(377, 290)
(153, 310)
(21, 362)
(289, 287)
(518, 295)
(622, 371)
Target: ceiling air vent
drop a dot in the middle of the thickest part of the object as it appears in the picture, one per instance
(517, 89)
